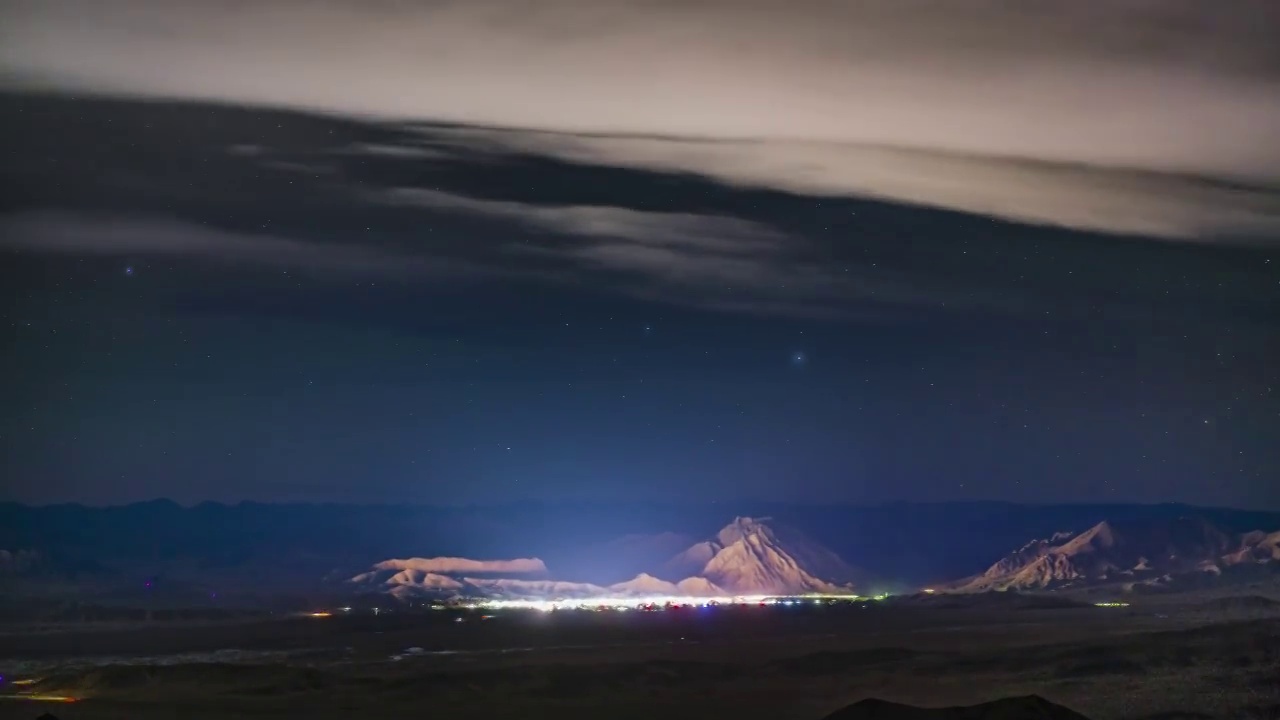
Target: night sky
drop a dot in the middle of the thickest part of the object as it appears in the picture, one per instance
(422, 252)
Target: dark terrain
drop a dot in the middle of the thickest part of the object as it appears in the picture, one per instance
(153, 611)
(1216, 656)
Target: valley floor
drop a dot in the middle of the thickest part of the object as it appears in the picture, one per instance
(1219, 658)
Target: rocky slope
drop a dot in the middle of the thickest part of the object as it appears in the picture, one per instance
(747, 557)
(758, 557)
(1185, 549)
(406, 579)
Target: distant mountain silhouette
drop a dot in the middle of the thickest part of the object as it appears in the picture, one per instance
(1030, 707)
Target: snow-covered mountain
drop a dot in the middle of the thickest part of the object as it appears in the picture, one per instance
(447, 578)
(1151, 553)
(747, 557)
(757, 556)
(646, 585)
(407, 579)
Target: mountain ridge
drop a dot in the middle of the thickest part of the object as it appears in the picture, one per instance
(758, 556)
(1187, 548)
(747, 557)
(266, 549)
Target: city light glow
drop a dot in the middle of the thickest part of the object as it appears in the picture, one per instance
(656, 602)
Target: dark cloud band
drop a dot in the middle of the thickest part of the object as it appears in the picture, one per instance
(1088, 115)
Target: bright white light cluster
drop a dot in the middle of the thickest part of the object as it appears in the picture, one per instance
(654, 602)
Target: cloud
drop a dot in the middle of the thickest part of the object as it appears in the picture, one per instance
(711, 261)
(1158, 118)
(407, 152)
(1085, 197)
(464, 566)
(670, 257)
(692, 231)
(109, 235)
(708, 261)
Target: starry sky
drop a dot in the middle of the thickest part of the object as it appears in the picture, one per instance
(807, 252)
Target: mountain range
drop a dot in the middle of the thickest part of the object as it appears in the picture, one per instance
(250, 552)
(759, 557)
(1147, 554)
(747, 557)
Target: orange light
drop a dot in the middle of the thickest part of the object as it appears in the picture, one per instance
(36, 697)
(321, 614)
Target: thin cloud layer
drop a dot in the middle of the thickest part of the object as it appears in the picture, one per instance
(125, 236)
(1084, 197)
(1095, 115)
(696, 232)
(680, 258)
(711, 261)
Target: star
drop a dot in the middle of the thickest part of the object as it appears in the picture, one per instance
(799, 358)
(129, 271)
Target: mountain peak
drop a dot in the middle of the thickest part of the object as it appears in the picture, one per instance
(756, 556)
(1130, 553)
(459, 566)
(743, 527)
(1098, 537)
(644, 584)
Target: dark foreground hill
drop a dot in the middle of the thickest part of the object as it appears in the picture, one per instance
(1030, 707)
